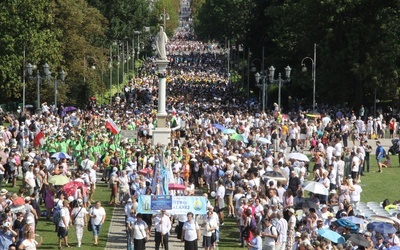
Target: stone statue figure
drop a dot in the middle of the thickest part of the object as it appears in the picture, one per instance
(161, 41)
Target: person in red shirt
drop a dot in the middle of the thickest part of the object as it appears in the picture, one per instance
(392, 125)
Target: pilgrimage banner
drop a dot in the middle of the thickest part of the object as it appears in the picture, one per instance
(180, 204)
(161, 202)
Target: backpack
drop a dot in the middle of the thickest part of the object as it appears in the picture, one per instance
(253, 223)
(56, 213)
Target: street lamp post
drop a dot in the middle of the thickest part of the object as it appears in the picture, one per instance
(111, 71)
(38, 79)
(314, 73)
(62, 78)
(263, 86)
(23, 82)
(288, 70)
(137, 32)
(164, 16)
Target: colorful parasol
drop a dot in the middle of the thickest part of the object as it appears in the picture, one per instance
(174, 186)
(70, 188)
(58, 180)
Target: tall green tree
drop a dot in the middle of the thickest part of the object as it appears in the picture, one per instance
(25, 24)
(124, 17)
(220, 19)
(82, 35)
(357, 42)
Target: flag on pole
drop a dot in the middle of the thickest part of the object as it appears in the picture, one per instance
(110, 124)
(39, 139)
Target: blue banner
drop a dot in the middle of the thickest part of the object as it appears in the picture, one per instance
(161, 202)
(180, 204)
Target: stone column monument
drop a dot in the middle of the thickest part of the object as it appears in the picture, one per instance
(162, 133)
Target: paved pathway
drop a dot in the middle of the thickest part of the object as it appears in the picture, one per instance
(117, 236)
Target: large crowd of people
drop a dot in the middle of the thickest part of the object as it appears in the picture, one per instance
(232, 152)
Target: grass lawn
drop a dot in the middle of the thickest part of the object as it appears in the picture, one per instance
(50, 241)
(376, 187)
(46, 228)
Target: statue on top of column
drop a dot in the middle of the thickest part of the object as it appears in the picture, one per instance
(161, 41)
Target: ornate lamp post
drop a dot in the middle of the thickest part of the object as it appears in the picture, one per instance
(46, 68)
(164, 16)
(62, 75)
(313, 74)
(288, 70)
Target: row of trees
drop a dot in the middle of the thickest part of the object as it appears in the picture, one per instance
(358, 49)
(75, 36)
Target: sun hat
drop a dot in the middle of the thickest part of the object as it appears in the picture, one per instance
(3, 192)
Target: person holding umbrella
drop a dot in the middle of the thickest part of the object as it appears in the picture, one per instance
(368, 236)
(392, 240)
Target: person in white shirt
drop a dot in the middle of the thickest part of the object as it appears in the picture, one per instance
(282, 228)
(219, 200)
(162, 224)
(79, 220)
(87, 163)
(64, 224)
(338, 148)
(355, 165)
(209, 231)
(97, 218)
(392, 240)
(361, 155)
(140, 232)
(30, 179)
(270, 235)
(190, 233)
(332, 176)
(355, 195)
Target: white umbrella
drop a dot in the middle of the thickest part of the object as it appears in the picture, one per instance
(316, 188)
(381, 218)
(232, 158)
(263, 140)
(298, 156)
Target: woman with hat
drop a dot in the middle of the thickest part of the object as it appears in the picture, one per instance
(3, 192)
(29, 241)
(291, 226)
(79, 220)
(2, 172)
(114, 186)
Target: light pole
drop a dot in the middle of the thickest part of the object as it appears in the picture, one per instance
(137, 32)
(263, 86)
(62, 78)
(38, 79)
(23, 82)
(314, 73)
(111, 71)
(288, 70)
(164, 16)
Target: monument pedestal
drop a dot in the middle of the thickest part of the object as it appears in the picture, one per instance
(162, 136)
